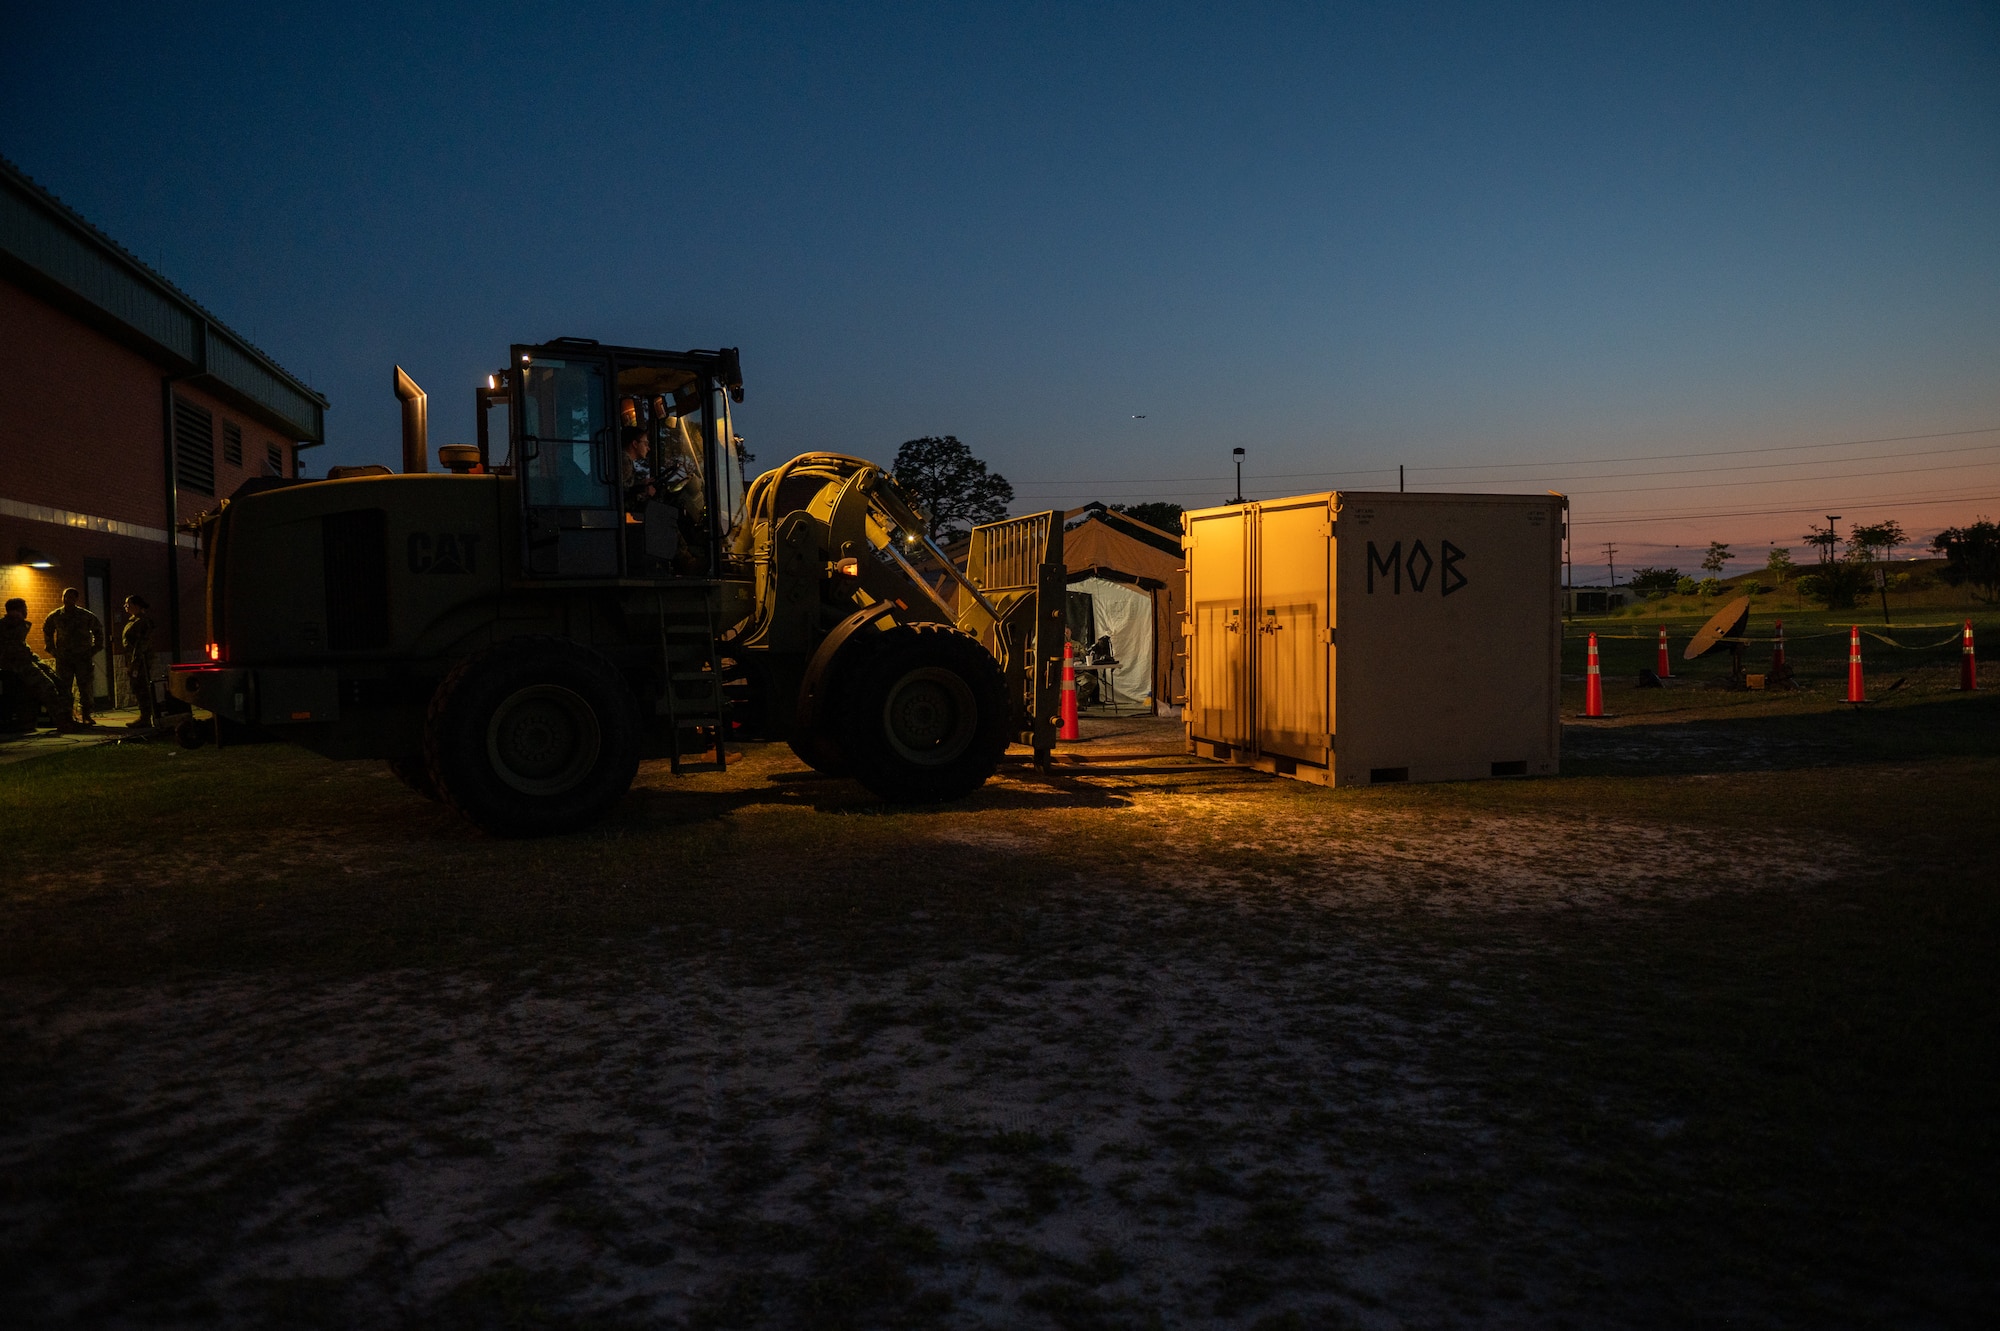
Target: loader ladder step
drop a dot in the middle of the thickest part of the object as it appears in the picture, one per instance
(708, 706)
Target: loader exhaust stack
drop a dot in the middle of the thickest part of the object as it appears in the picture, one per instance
(416, 423)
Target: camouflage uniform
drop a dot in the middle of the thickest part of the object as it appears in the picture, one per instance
(137, 638)
(74, 638)
(19, 658)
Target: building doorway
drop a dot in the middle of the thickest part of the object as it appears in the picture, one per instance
(97, 599)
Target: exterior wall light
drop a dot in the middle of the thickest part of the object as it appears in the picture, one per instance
(35, 558)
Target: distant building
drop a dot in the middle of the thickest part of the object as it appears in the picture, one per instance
(126, 408)
(1593, 600)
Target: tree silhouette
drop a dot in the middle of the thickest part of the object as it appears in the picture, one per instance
(1165, 516)
(951, 487)
(1864, 542)
(1646, 581)
(1972, 553)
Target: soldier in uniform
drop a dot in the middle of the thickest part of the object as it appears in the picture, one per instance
(635, 478)
(20, 660)
(137, 638)
(72, 635)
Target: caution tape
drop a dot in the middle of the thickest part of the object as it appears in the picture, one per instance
(1654, 637)
(1952, 641)
(1791, 638)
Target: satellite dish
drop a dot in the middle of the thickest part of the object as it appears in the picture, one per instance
(1727, 625)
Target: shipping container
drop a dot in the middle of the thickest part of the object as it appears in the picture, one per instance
(1351, 638)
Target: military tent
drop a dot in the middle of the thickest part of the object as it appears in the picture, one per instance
(1133, 574)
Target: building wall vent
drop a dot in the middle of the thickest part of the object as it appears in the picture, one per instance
(194, 447)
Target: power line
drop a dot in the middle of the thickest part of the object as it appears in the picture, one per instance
(1880, 501)
(1632, 475)
(1783, 480)
(1765, 466)
(1209, 495)
(1557, 463)
(1719, 453)
(1202, 480)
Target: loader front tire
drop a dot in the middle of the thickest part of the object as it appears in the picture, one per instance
(817, 752)
(533, 737)
(923, 714)
(415, 772)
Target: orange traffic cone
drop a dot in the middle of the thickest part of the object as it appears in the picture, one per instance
(1968, 667)
(1855, 693)
(1780, 676)
(1069, 730)
(1666, 670)
(1593, 683)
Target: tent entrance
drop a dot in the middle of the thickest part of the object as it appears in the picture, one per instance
(1125, 613)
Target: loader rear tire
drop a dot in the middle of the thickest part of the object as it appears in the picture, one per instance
(922, 715)
(533, 737)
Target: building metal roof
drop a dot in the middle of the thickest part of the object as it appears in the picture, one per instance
(54, 251)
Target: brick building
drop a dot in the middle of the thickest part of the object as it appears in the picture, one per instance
(126, 409)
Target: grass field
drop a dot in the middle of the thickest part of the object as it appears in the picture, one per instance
(1700, 1033)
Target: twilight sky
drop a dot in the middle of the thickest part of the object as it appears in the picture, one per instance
(1710, 272)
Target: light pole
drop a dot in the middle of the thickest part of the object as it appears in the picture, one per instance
(1826, 548)
(1238, 453)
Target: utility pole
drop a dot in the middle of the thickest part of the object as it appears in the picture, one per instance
(1238, 453)
(1611, 554)
(1399, 478)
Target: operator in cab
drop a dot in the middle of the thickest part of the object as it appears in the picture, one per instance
(678, 479)
(635, 468)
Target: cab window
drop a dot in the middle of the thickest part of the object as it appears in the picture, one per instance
(729, 466)
(565, 446)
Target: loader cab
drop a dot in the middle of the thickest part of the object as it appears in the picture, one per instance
(627, 462)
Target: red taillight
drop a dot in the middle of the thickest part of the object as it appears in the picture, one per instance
(215, 651)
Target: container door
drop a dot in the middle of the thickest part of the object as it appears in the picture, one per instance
(1218, 669)
(1292, 614)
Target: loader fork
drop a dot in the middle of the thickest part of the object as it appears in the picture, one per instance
(1017, 565)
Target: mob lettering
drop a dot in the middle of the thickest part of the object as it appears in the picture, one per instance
(1418, 567)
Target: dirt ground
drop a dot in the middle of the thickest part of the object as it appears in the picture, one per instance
(1699, 1033)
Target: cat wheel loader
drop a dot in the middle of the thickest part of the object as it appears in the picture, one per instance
(513, 635)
